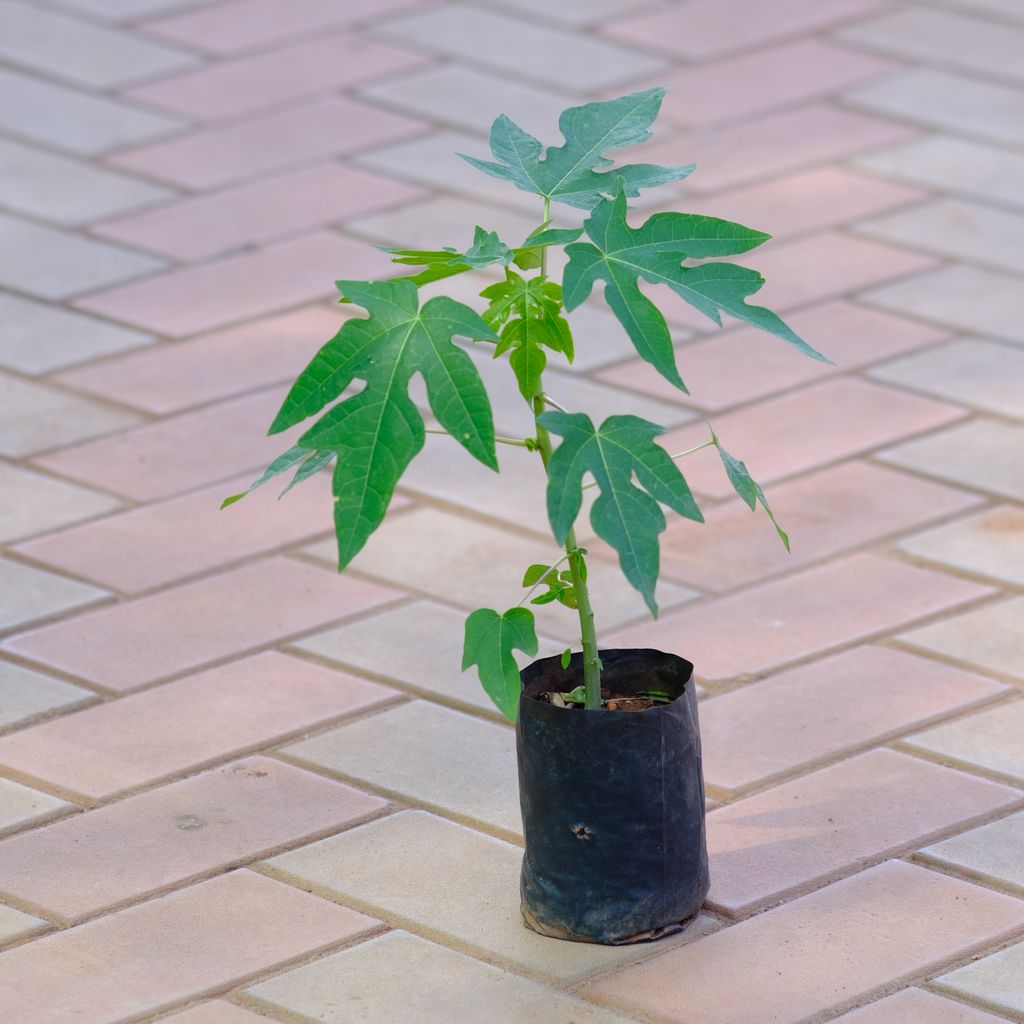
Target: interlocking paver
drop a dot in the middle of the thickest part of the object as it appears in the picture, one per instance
(212, 295)
(401, 867)
(235, 87)
(972, 299)
(39, 338)
(774, 144)
(433, 160)
(168, 378)
(238, 925)
(946, 37)
(14, 925)
(209, 717)
(53, 264)
(468, 98)
(254, 214)
(427, 660)
(743, 363)
(973, 371)
(428, 754)
(915, 1006)
(826, 513)
(219, 156)
(34, 417)
(994, 981)
(849, 416)
(68, 119)
(823, 197)
(957, 228)
(157, 460)
(990, 853)
(886, 923)
(982, 453)
(198, 826)
(196, 535)
(235, 25)
(261, 150)
(458, 565)
(67, 191)
(959, 165)
(711, 27)
(764, 79)
(126, 645)
(28, 594)
(21, 806)
(946, 100)
(836, 820)
(573, 62)
(217, 1012)
(987, 543)
(81, 51)
(25, 694)
(989, 740)
(366, 973)
(774, 623)
(990, 638)
(829, 708)
(36, 503)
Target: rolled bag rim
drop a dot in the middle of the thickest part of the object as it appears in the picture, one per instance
(612, 803)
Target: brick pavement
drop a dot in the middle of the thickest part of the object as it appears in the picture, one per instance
(234, 787)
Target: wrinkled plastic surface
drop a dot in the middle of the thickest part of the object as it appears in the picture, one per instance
(613, 803)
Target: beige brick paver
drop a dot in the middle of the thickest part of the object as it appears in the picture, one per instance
(199, 720)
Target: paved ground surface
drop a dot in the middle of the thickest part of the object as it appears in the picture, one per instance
(235, 786)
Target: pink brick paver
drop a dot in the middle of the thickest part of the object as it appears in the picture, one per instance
(238, 925)
(124, 646)
(862, 704)
(200, 825)
(250, 704)
(893, 921)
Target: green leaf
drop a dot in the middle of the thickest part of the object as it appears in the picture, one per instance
(568, 173)
(378, 431)
(487, 249)
(747, 487)
(490, 640)
(281, 464)
(529, 308)
(621, 256)
(566, 657)
(627, 517)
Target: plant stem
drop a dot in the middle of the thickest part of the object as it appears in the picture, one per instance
(678, 455)
(520, 443)
(548, 400)
(577, 565)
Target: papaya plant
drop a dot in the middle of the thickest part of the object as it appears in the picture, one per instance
(372, 434)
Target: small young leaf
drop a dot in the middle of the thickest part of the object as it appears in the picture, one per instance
(567, 173)
(747, 487)
(490, 640)
(625, 516)
(534, 573)
(548, 596)
(566, 657)
(576, 696)
(281, 464)
(487, 249)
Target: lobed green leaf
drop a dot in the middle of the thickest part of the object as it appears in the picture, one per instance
(490, 639)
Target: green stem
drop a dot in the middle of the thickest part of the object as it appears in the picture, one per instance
(518, 442)
(577, 565)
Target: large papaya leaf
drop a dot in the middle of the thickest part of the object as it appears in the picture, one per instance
(627, 517)
(621, 255)
(490, 640)
(567, 173)
(377, 432)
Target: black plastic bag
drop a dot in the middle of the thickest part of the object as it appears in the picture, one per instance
(612, 802)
